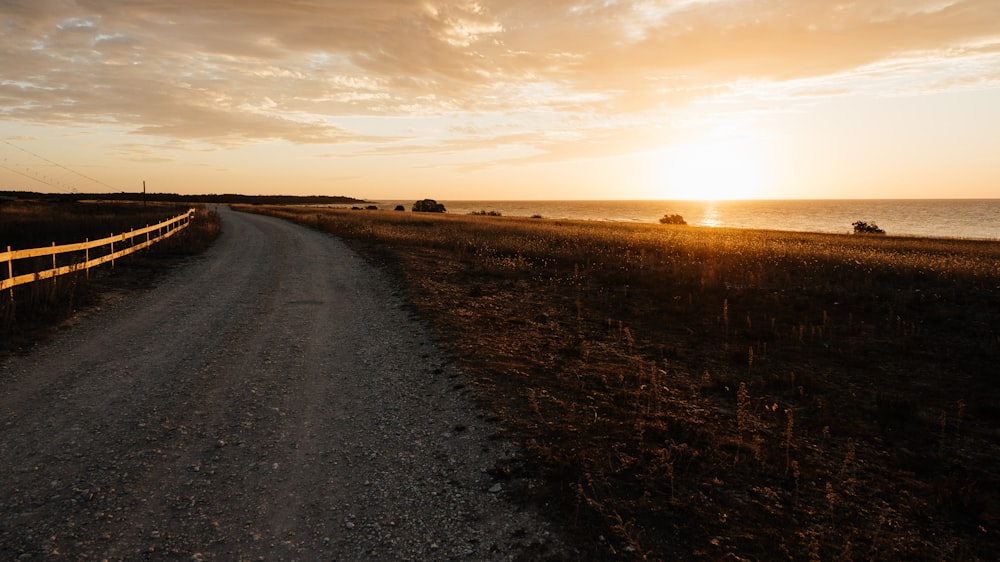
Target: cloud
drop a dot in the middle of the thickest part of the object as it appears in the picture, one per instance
(229, 72)
(818, 38)
(136, 152)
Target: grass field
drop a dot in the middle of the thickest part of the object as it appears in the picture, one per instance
(31, 309)
(691, 392)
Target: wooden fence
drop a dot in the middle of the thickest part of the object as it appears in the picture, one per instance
(104, 250)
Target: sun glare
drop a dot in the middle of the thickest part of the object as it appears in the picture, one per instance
(711, 170)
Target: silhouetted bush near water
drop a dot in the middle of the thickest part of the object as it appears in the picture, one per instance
(672, 219)
(861, 227)
(428, 206)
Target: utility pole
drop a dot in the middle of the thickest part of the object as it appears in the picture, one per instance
(143, 193)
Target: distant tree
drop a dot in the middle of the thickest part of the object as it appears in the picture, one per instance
(428, 206)
(861, 227)
(672, 219)
(399, 208)
(371, 208)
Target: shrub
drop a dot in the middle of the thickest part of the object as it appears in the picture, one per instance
(399, 208)
(861, 227)
(487, 213)
(428, 206)
(672, 219)
(371, 208)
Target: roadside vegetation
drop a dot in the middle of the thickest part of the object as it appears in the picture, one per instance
(29, 310)
(686, 392)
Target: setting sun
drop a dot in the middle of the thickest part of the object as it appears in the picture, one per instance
(711, 170)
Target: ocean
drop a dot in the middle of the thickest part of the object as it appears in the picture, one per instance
(948, 218)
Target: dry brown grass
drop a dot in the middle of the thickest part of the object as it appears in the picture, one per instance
(864, 422)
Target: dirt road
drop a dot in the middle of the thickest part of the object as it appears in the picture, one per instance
(272, 399)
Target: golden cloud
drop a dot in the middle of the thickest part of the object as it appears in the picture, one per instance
(232, 70)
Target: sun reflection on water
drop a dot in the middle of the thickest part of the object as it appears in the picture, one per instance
(710, 217)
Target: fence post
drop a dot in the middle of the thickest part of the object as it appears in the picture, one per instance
(53, 262)
(86, 257)
(10, 272)
(112, 250)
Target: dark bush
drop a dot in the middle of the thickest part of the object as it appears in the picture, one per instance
(862, 227)
(672, 219)
(399, 208)
(371, 208)
(428, 206)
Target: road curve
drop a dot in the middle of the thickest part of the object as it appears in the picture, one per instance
(271, 399)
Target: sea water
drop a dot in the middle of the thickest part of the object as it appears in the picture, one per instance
(949, 218)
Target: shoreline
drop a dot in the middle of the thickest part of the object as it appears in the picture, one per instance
(973, 219)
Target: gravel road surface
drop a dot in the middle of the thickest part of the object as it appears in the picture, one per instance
(270, 399)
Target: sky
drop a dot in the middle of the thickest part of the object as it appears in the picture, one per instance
(503, 99)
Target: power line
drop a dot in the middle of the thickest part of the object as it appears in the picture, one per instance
(34, 178)
(58, 165)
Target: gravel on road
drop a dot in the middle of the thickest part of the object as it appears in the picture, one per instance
(273, 398)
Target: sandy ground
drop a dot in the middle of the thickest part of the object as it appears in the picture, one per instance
(271, 399)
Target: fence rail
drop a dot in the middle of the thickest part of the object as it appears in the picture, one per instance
(162, 231)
